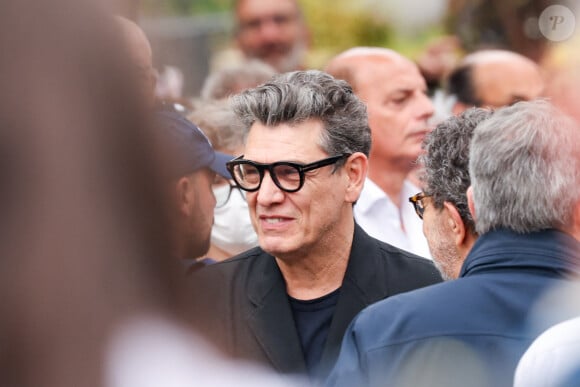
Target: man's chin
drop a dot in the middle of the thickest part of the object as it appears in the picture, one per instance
(278, 248)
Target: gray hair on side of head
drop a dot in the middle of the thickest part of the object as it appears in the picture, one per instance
(446, 161)
(220, 124)
(293, 98)
(231, 80)
(525, 169)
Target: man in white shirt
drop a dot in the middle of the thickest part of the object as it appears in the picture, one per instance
(398, 108)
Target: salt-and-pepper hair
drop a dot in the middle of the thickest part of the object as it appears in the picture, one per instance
(446, 161)
(525, 169)
(293, 98)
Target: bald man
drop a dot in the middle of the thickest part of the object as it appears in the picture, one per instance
(140, 54)
(398, 109)
(494, 78)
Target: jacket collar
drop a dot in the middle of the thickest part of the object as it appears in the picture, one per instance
(360, 288)
(550, 250)
(271, 319)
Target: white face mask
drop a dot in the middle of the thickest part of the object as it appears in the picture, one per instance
(232, 228)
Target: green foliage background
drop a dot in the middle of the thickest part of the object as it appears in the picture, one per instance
(335, 25)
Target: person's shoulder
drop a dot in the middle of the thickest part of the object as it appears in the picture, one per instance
(241, 259)
(392, 252)
(403, 270)
(562, 336)
(403, 259)
(414, 315)
(551, 357)
(227, 269)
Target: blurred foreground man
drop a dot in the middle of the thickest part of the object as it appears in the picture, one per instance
(288, 302)
(472, 331)
(141, 57)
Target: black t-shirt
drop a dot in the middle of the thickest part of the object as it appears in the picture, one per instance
(312, 319)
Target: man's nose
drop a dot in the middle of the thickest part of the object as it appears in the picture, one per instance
(269, 192)
(424, 106)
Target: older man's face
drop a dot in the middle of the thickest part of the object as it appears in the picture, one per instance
(440, 239)
(273, 32)
(303, 221)
(398, 108)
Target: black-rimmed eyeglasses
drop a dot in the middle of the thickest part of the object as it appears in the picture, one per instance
(287, 176)
(417, 201)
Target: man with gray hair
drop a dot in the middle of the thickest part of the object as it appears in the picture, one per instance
(288, 302)
(525, 171)
(447, 223)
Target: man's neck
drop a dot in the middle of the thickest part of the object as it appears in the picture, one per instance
(317, 273)
(389, 180)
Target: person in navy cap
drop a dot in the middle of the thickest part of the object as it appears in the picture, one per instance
(190, 166)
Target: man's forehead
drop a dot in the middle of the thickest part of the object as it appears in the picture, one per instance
(256, 8)
(284, 141)
(396, 75)
(503, 84)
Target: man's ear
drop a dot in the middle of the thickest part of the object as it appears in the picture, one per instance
(356, 167)
(185, 195)
(470, 203)
(455, 223)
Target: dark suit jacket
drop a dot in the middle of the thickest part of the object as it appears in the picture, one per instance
(243, 307)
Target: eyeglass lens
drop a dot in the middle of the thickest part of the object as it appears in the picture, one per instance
(285, 175)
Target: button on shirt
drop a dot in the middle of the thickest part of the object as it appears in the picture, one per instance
(381, 218)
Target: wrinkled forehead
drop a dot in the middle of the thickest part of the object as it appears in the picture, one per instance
(290, 142)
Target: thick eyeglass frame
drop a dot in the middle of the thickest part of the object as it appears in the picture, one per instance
(261, 167)
(417, 201)
(232, 188)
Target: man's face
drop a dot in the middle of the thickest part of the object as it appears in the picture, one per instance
(304, 221)
(446, 257)
(398, 109)
(273, 32)
(499, 84)
(201, 215)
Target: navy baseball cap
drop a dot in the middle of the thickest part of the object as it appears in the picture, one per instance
(191, 149)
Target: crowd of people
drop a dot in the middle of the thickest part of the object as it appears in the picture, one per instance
(288, 226)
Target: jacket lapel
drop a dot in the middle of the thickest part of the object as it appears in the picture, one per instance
(359, 289)
(270, 317)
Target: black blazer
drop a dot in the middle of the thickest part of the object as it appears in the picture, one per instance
(244, 310)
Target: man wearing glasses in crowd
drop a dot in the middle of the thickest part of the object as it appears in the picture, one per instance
(288, 302)
(472, 331)
(448, 226)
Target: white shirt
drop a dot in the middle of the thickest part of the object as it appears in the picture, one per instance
(552, 357)
(381, 218)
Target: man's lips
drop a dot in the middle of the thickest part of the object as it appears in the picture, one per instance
(273, 219)
(274, 222)
(420, 132)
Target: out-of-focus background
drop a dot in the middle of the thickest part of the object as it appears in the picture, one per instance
(188, 34)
